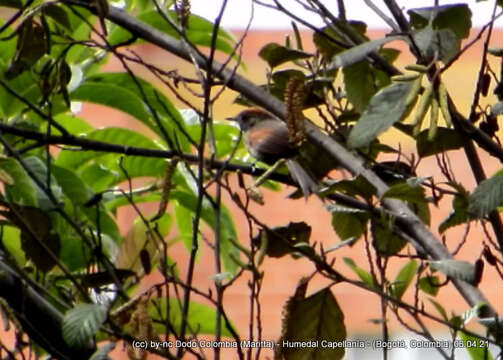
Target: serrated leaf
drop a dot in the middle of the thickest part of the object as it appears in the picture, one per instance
(82, 322)
(347, 222)
(275, 54)
(445, 140)
(356, 186)
(459, 214)
(364, 276)
(404, 191)
(315, 318)
(384, 241)
(487, 196)
(385, 108)
(457, 269)
(281, 240)
(403, 279)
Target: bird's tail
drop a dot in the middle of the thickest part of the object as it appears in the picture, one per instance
(305, 180)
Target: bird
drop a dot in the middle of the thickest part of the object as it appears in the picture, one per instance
(266, 139)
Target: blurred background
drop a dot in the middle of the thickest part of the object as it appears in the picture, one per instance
(362, 310)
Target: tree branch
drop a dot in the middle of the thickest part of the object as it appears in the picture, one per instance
(405, 218)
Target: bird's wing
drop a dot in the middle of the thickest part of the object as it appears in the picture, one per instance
(268, 141)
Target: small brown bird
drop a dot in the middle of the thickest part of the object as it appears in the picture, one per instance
(266, 139)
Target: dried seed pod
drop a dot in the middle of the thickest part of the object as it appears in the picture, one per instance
(434, 110)
(295, 95)
(444, 104)
(417, 68)
(422, 108)
(405, 78)
(414, 91)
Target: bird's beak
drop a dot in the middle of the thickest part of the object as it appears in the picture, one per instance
(230, 119)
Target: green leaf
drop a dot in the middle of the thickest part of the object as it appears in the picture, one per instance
(23, 190)
(276, 54)
(139, 238)
(348, 222)
(403, 279)
(429, 284)
(459, 214)
(437, 43)
(359, 52)
(315, 318)
(456, 17)
(356, 186)
(82, 322)
(79, 193)
(440, 309)
(184, 222)
(74, 253)
(199, 31)
(114, 96)
(281, 240)
(445, 140)
(72, 186)
(325, 39)
(364, 276)
(113, 204)
(208, 215)
(58, 14)
(476, 348)
(98, 176)
(487, 196)
(71, 159)
(11, 240)
(73, 124)
(32, 44)
(359, 84)
(457, 269)
(200, 318)
(384, 240)
(39, 170)
(404, 191)
(385, 108)
(136, 97)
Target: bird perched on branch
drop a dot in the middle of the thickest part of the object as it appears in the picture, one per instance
(267, 139)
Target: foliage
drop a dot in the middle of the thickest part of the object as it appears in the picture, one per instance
(66, 183)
